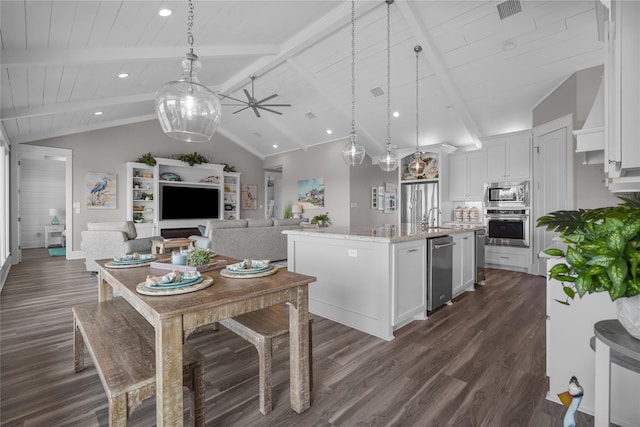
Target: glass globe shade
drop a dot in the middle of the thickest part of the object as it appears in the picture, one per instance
(388, 161)
(417, 166)
(187, 110)
(353, 153)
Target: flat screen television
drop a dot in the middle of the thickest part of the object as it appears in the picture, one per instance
(183, 202)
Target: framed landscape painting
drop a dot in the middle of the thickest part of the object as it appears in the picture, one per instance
(102, 190)
(311, 193)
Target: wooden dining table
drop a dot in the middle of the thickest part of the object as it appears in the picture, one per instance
(174, 317)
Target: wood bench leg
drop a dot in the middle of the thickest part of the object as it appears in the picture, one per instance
(118, 411)
(264, 358)
(78, 347)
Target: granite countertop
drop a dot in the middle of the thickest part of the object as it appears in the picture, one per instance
(383, 234)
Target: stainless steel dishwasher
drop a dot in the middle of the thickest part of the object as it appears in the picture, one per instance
(439, 265)
(480, 242)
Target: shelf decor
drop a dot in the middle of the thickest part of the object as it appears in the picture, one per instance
(101, 190)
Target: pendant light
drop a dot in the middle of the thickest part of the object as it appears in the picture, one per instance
(417, 165)
(389, 160)
(353, 152)
(188, 110)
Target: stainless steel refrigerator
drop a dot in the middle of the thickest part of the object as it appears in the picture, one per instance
(417, 200)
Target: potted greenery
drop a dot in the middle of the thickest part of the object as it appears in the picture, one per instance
(321, 220)
(198, 257)
(602, 255)
(193, 159)
(147, 159)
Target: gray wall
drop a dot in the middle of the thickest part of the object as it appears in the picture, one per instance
(575, 96)
(363, 177)
(321, 161)
(108, 150)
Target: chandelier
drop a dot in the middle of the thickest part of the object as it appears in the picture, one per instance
(353, 152)
(188, 110)
(417, 165)
(389, 160)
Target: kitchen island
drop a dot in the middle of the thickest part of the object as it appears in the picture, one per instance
(371, 279)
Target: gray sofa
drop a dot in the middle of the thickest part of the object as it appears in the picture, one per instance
(250, 238)
(108, 239)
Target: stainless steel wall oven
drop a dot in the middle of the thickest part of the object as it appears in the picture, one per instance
(507, 227)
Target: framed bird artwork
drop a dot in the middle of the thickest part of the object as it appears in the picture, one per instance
(101, 190)
(249, 196)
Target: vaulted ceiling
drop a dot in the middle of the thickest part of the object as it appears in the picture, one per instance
(479, 75)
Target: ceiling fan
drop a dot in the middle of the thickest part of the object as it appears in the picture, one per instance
(254, 103)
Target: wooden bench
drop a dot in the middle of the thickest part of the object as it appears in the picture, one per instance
(266, 329)
(121, 343)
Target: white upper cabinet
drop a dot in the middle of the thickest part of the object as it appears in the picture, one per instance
(622, 90)
(507, 157)
(466, 176)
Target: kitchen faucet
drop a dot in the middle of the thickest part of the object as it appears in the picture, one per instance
(433, 221)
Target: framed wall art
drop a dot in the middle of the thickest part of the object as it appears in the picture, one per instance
(249, 196)
(102, 190)
(311, 193)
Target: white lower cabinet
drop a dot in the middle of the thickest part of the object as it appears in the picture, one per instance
(464, 262)
(509, 258)
(410, 276)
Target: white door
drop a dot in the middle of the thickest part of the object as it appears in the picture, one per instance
(553, 182)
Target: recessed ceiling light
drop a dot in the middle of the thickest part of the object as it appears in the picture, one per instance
(97, 113)
(123, 75)
(165, 12)
(509, 44)
(329, 131)
(449, 107)
(396, 114)
(275, 146)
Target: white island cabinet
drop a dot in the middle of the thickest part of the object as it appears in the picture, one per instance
(373, 280)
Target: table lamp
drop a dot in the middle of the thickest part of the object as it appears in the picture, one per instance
(54, 213)
(296, 210)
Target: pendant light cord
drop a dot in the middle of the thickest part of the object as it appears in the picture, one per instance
(417, 49)
(353, 71)
(389, 75)
(190, 39)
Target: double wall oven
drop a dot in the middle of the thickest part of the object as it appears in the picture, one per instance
(506, 214)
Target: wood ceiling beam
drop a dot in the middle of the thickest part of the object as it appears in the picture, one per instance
(51, 57)
(320, 29)
(65, 107)
(432, 55)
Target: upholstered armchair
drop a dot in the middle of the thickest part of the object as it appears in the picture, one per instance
(108, 239)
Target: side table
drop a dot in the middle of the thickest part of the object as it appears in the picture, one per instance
(159, 247)
(613, 345)
(53, 235)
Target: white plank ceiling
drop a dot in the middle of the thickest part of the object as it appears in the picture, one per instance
(60, 61)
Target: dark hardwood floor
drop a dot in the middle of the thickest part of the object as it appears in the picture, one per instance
(480, 362)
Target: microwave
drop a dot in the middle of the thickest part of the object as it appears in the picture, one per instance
(500, 194)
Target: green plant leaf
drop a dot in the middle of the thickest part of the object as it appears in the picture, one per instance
(617, 272)
(594, 270)
(574, 238)
(559, 269)
(569, 292)
(602, 260)
(575, 258)
(565, 222)
(615, 241)
(554, 252)
(564, 278)
(583, 284)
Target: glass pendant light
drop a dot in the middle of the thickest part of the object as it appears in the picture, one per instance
(417, 165)
(389, 160)
(188, 110)
(353, 152)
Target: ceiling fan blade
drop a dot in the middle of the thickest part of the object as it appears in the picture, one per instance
(275, 105)
(267, 98)
(234, 105)
(249, 97)
(231, 97)
(242, 109)
(270, 110)
(255, 110)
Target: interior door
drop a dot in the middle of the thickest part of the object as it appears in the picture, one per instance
(551, 183)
